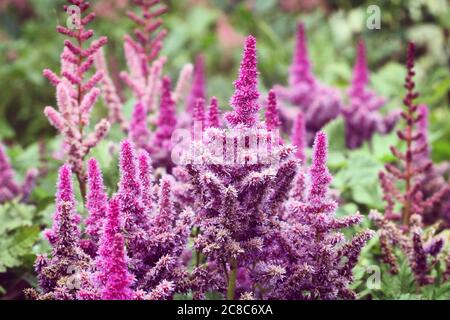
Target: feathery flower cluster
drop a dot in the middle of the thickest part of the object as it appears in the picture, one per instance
(132, 245)
(318, 102)
(9, 189)
(75, 94)
(422, 249)
(198, 90)
(309, 255)
(362, 117)
(414, 165)
(247, 238)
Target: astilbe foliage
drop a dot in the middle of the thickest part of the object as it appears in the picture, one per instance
(318, 102)
(362, 117)
(309, 257)
(9, 188)
(76, 93)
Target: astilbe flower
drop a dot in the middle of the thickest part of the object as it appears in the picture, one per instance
(140, 238)
(113, 276)
(161, 144)
(59, 274)
(9, 188)
(434, 177)
(272, 113)
(309, 257)
(239, 186)
(318, 102)
(213, 118)
(362, 117)
(422, 248)
(198, 90)
(413, 165)
(75, 93)
(156, 234)
(97, 206)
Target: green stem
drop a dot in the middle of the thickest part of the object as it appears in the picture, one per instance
(232, 279)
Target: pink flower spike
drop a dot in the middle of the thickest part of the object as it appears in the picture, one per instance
(320, 177)
(167, 120)
(198, 84)
(360, 70)
(112, 258)
(300, 70)
(55, 118)
(199, 112)
(138, 130)
(299, 137)
(272, 112)
(145, 176)
(128, 170)
(245, 98)
(213, 114)
(166, 215)
(96, 202)
(88, 102)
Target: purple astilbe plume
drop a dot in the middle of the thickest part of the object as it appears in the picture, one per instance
(75, 93)
(113, 276)
(58, 275)
(421, 248)
(245, 98)
(198, 90)
(298, 137)
(199, 115)
(9, 189)
(362, 117)
(239, 188)
(318, 102)
(139, 132)
(161, 144)
(213, 118)
(413, 167)
(309, 255)
(272, 113)
(96, 204)
(433, 180)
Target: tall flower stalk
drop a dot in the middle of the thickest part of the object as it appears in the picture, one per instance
(76, 92)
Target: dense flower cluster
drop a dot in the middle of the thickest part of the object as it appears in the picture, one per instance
(362, 117)
(243, 213)
(318, 102)
(75, 94)
(247, 231)
(9, 189)
(132, 245)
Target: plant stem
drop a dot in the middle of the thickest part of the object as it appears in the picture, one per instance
(232, 279)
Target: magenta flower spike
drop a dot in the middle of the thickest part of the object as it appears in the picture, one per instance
(96, 202)
(9, 189)
(198, 90)
(213, 114)
(199, 113)
(301, 71)
(139, 132)
(130, 190)
(111, 262)
(360, 69)
(298, 137)
(320, 177)
(145, 176)
(362, 117)
(272, 113)
(245, 98)
(66, 233)
(167, 120)
(166, 215)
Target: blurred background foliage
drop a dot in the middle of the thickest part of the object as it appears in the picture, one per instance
(216, 29)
